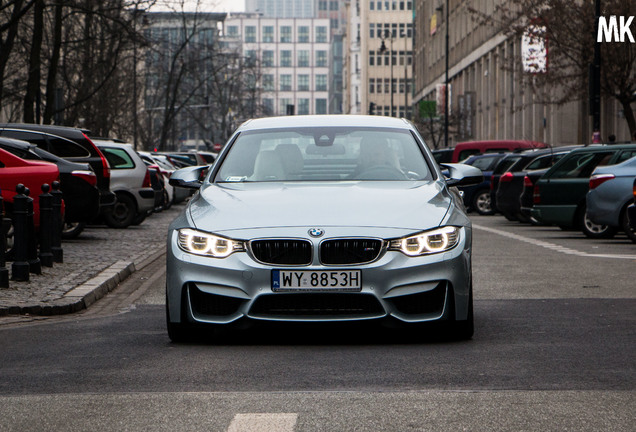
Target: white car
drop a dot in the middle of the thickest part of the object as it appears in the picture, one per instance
(130, 181)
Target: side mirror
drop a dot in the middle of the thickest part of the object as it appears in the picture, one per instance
(462, 175)
(189, 177)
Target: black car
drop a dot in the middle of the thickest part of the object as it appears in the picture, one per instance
(68, 143)
(477, 197)
(510, 180)
(78, 182)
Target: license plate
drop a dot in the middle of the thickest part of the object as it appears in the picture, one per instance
(347, 280)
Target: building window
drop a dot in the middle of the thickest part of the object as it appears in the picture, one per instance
(303, 34)
(232, 31)
(371, 58)
(286, 58)
(286, 34)
(303, 106)
(371, 30)
(321, 106)
(285, 82)
(284, 103)
(321, 58)
(268, 106)
(250, 34)
(371, 85)
(321, 82)
(268, 58)
(303, 82)
(268, 34)
(268, 82)
(372, 5)
(321, 34)
(322, 5)
(303, 58)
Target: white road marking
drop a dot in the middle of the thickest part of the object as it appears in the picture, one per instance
(263, 422)
(552, 246)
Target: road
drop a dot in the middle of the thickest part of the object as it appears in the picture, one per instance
(554, 349)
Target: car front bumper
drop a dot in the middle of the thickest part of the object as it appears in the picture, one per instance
(409, 289)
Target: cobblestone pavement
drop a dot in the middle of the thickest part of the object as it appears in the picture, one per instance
(93, 264)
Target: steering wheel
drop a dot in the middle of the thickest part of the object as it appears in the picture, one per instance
(381, 172)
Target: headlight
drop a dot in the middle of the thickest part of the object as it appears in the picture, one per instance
(430, 242)
(200, 243)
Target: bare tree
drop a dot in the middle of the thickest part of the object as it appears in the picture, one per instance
(571, 32)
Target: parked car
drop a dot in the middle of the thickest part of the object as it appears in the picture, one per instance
(465, 149)
(559, 196)
(631, 212)
(300, 204)
(508, 181)
(77, 181)
(32, 174)
(185, 158)
(477, 197)
(444, 155)
(611, 192)
(174, 194)
(71, 144)
(130, 180)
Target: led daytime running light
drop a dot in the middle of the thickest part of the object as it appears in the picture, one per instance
(200, 243)
(431, 242)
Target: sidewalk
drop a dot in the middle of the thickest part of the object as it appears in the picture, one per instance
(94, 264)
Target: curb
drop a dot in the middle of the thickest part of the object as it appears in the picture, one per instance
(84, 295)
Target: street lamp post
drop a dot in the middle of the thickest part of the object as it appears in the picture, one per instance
(446, 83)
(387, 35)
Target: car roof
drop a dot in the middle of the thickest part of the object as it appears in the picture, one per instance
(338, 120)
(600, 148)
(53, 129)
(25, 145)
(109, 143)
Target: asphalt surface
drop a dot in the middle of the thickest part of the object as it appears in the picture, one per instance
(553, 350)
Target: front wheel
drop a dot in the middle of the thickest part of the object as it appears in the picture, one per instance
(592, 230)
(123, 213)
(482, 203)
(72, 230)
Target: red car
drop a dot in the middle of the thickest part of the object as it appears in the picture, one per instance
(32, 174)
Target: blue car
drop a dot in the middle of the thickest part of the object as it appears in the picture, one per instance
(477, 197)
(611, 193)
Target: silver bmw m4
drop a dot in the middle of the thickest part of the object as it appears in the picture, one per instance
(321, 219)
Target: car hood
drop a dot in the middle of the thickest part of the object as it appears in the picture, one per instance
(416, 205)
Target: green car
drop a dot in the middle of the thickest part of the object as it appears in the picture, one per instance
(559, 196)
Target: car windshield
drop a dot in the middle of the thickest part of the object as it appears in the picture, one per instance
(324, 154)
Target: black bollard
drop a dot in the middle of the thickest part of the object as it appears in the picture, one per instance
(57, 224)
(46, 226)
(4, 228)
(35, 266)
(20, 266)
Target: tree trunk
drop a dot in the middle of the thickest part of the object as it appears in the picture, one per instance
(31, 96)
(51, 81)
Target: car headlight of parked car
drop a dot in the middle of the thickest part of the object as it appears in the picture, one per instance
(205, 244)
(429, 242)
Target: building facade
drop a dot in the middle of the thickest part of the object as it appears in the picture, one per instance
(491, 96)
(293, 54)
(379, 78)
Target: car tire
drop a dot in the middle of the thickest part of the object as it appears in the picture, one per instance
(631, 234)
(592, 230)
(72, 230)
(123, 213)
(166, 200)
(482, 202)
